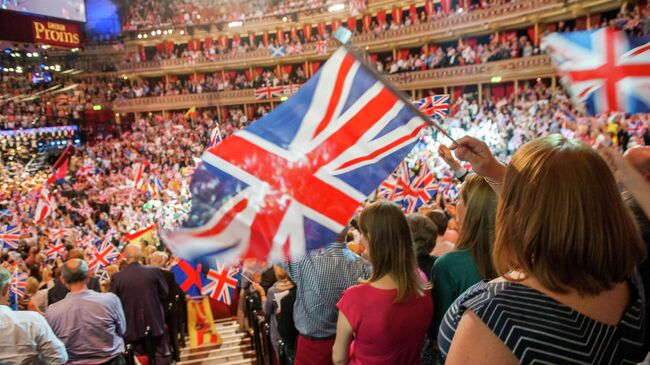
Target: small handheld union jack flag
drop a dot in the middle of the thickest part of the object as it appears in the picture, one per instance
(221, 283)
(418, 191)
(103, 256)
(17, 287)
(435, 105)
(54, 250)
(9, 237)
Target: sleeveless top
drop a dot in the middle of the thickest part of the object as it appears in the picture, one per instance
(539, 330)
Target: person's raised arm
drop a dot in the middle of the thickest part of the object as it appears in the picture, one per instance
(626, 174)
(478, 154)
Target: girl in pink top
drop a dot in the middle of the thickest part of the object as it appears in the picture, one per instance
(384, 320)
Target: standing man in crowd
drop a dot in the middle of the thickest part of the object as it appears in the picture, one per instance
(59, 290)
(90, 324)
(142, 290)
(321, 278)
(26, 338)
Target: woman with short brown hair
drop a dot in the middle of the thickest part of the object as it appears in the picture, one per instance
(565, 248)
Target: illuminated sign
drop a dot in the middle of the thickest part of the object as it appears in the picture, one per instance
(57, 33)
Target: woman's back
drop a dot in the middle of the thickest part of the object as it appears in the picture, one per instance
(385, 332)
(535, 327)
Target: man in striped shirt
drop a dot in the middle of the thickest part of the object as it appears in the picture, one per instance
(321, 278)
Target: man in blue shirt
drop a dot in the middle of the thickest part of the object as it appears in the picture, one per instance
(90, 324)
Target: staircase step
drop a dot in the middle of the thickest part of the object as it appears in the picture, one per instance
(218, 357)
(217, 352)
(232, 342)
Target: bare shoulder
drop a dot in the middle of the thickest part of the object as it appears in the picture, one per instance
(474, 343)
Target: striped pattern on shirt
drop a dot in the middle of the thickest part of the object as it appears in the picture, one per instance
(539, 330)
(321, 277)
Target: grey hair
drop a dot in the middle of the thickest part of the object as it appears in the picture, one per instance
(74, 271)
(5, 278)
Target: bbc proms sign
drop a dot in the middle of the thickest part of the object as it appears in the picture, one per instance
(56, 33)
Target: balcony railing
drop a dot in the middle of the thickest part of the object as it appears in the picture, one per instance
(509, 70)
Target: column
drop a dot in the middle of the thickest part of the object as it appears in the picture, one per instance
(553, 81)
(516, 88)
(588, 21)
(480, 93)
(536, 40)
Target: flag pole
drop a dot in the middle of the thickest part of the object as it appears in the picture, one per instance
(343, 35)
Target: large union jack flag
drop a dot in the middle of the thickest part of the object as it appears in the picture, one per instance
(435, 105)
(290, 181)
(221, 282)
(605, 69)
(9, 237)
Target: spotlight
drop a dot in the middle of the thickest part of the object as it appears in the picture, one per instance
(284, 19)
(35, 54)
(153, 32)
(139, 36)
(145, 36)
(182, 32)
(170, 31)
(158, 31)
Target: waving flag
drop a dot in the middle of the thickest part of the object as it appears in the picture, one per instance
(60, 167)
(189, 277)
(44, 205)
(138, 179)
(435, 105)
(157, 186)
(605, 69)
(290, 181)
(215, 137)
(269, 92)
(9, 237)
(103, 256)
(221, 283)
(17, 287)
(418, 191)
(387, 188)
(55, 250)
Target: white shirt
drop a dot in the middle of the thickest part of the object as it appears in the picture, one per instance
(25, 335)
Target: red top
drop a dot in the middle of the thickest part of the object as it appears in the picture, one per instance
(385, 332)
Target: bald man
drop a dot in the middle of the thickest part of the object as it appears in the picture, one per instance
(142, 291)
(639, 157)
(90, 324)
(59, 290)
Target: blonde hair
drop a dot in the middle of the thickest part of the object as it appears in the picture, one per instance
(562, 220)
(478, 226)
(390, 248)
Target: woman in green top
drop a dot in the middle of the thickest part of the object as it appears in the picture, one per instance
(455, 271)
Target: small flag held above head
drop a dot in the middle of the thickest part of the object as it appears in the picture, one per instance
(9, 237)
(605, 69)
(189, 277)
(435, 105)
(103, 256)
(215, 136)
(17, 287)
(44, 205)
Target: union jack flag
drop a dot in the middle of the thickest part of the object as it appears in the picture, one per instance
(55, 250)
(10, 237)
(138, 175)
(215, 137)
(388, 188)
(289, 182)
(605, 69)
(103, 256)
(220, 283)
(269, 92)
(434, 105)
(418, 190)
(18, 281)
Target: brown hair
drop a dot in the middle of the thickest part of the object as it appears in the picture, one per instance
(478, 227)
(390, 248)
(440, 219)
(562, 219)
(423, 233)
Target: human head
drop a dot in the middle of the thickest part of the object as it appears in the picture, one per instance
(280, 273)
(477, 207)
(639, 157)
(423, 233)
(386, 236)
(157, 259)
(31, 286)
(75, 253)
(132, 253)
(440, 220)
(74, 271)
(5, 280)
(562, 220)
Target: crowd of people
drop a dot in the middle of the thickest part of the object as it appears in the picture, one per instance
(467, 278)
